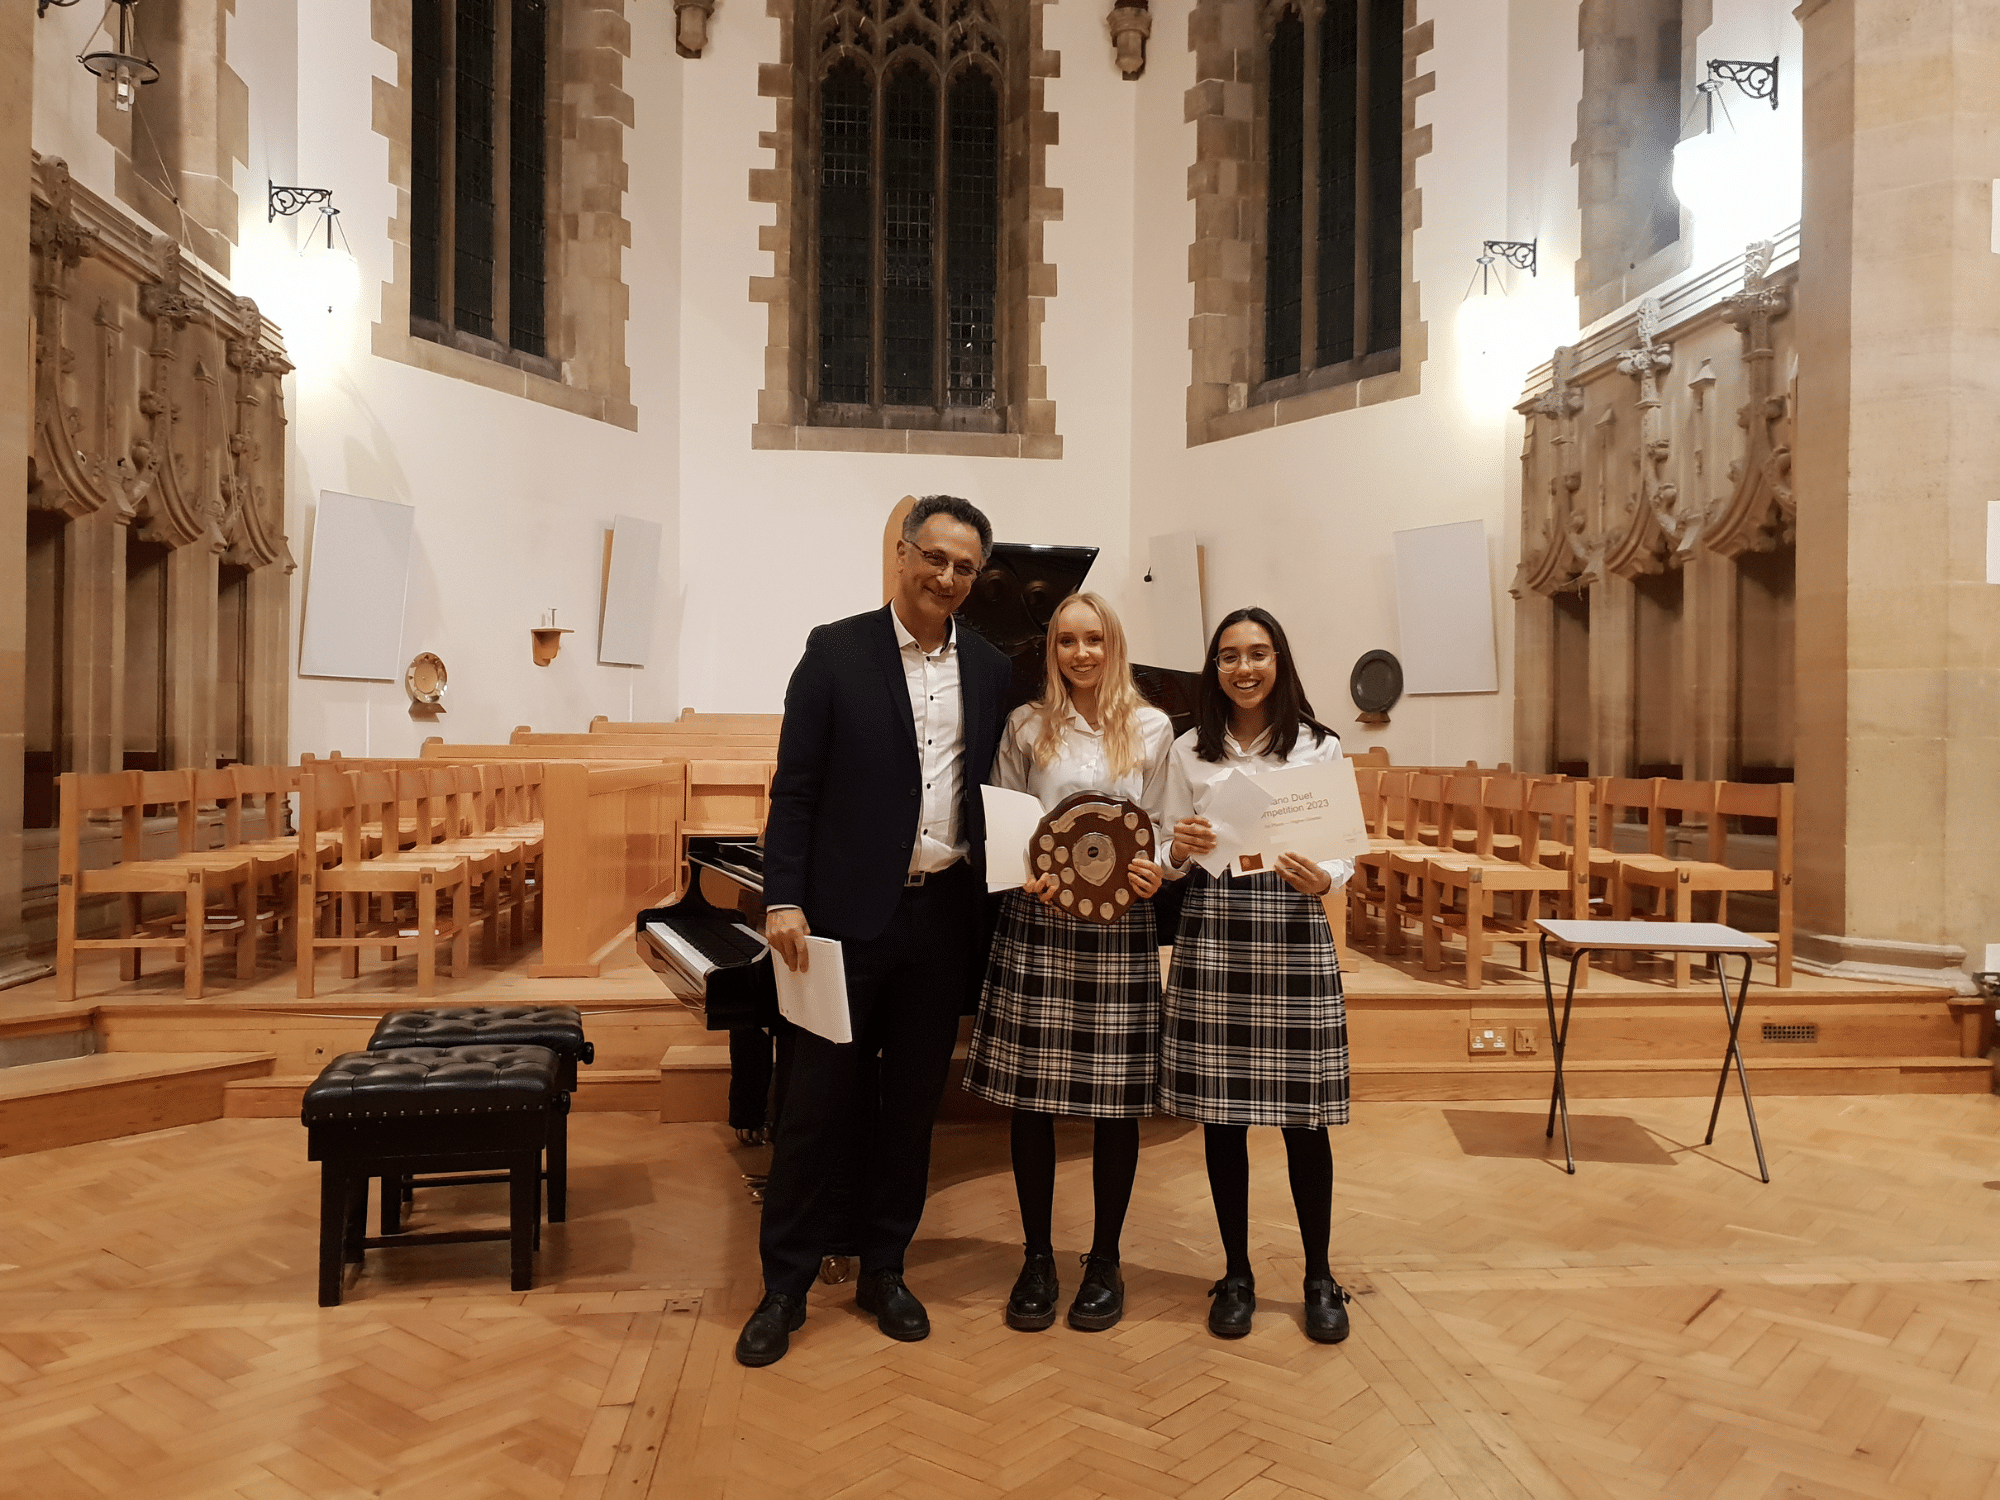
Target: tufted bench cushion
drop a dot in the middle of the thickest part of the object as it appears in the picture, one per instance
(416, 1081)
(557, 1027)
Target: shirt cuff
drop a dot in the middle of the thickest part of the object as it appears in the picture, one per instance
(782, 906)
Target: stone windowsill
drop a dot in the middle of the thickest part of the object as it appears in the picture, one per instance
(476, 369)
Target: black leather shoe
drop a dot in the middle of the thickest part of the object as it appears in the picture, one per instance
(1235, 1300)
(768, 1334)
(1326, 1310)
(1100, 1300)
(897, 1311)
(1032, 1305)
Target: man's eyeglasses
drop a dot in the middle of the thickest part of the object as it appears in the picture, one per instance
(1256, 656)
(965, 572)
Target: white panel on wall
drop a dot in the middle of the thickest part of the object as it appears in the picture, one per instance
(1166, 628)
(357, 576)
(1444, 606)
(631, 593)
(1993, 541)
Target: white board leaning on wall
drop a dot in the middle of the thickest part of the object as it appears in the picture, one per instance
(1444, 609)
(357, 578)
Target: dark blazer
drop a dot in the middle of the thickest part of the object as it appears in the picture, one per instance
(849, 785)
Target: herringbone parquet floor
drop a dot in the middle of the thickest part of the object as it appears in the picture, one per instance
(1662, 1324)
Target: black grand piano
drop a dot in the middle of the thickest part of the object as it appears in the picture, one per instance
(708, 947)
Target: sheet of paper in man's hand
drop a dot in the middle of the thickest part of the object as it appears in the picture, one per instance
(1011, 821)
(1233, 806)
(816, 999)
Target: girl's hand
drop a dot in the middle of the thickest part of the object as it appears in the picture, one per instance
(1044, 888)
(1192, 836)
(1144, 876)
(1302, 875)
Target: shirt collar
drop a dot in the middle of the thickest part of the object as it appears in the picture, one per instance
(1260, 745)
(904, 640)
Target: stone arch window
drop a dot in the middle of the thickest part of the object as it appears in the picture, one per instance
(906, 118)
(1306, 203)
(479, 176)
(1333, 203)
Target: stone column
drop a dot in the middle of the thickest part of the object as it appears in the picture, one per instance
(190, 684)
(1613, 605)
(1899, 376)
(17, 405)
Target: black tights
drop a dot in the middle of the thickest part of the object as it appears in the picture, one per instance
(1114, 1164)
(1310, 1160)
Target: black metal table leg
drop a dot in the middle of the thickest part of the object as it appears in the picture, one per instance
(1558, 1038)
(1735, 1055)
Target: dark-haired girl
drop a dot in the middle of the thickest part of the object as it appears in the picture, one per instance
(1255, 1031)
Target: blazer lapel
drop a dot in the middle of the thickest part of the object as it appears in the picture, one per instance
(896, 681)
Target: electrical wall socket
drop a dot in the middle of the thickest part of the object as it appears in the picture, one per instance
(1524, 1039)
(1487, 1040)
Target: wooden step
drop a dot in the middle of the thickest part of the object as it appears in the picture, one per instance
(599, 1090)
(694, 1088)
(1499, 1078)
(77, 1099)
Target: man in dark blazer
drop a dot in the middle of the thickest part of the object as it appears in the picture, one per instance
(877, 838)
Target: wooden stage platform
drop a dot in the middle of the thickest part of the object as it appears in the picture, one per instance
(137, 1056)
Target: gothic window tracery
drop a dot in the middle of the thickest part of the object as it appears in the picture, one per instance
(908, 106)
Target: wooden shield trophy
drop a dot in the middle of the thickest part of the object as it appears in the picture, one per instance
(1087, 841)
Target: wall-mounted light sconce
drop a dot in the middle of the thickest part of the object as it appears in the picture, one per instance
(1758, 80)
(1520, 254)
(548, 639)
(691, 18)
(124, 62)
(1131, 22)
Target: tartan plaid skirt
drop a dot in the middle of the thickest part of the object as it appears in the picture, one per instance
(1254, 1029)
(1069, 1019)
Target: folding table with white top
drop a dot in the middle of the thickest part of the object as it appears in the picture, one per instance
(1711, 938)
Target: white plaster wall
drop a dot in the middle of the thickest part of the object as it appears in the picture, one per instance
(513, 498)
(1300, 518)
(774, 542)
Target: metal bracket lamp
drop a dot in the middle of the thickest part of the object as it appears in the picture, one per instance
(124, 62)
(1758, 80)
(1520, 254)
(291, 201)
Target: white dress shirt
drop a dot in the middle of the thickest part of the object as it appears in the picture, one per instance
(938, 711)
(1189, 776)
(1081, 764)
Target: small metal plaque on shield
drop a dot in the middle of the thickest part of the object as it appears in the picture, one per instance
(1087, 841)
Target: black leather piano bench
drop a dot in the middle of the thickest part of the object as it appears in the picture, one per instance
(391, 1114)
(556, 1027)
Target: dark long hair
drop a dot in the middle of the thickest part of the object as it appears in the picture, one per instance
(1288, 707)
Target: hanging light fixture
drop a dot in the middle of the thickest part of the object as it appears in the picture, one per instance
(124, 62)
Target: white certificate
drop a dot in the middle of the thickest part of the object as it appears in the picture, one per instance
(1011, 821)
(816, 999)
(1310, 810)
(1233, 805)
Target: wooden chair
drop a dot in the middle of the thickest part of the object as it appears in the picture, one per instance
(274, 861)
(1468, 891)
(187, 873)
(1678, 881)
(368, 874)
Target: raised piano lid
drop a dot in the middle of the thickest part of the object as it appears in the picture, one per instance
(1016, 597)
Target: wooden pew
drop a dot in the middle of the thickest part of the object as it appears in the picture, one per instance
(611, 848)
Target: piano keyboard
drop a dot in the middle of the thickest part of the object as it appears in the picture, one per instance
(699, 948)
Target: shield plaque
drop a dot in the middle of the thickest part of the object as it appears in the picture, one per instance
(1087, 841)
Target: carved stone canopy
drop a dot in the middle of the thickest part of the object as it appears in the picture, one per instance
(158, 391)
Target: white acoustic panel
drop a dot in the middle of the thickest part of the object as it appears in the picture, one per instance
(1166, 628)
(631, 593)
(357, 576)
(1993, 541)
(1444, 606)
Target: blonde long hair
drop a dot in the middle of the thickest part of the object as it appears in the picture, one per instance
(1118, 700)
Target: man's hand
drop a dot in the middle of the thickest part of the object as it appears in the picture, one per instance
(1144, 876)
(1302, 875)
(786, 932)
(1192, 836)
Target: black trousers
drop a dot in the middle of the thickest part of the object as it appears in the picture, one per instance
(857, 1118)
(760, 1066)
